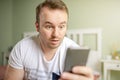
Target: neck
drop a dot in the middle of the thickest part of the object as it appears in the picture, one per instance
(48, 52)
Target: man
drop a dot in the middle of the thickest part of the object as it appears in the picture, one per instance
(42, 57)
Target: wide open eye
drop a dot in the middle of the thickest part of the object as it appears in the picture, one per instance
(62, 26)
(49, 27)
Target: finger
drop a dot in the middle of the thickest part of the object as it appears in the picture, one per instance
(82, 70)
(71, 76)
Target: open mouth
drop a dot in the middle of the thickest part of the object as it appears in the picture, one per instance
(54, 42)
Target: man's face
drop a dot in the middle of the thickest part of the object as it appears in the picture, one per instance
(52, 27)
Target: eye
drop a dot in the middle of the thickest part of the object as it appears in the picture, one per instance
(62, 26)
(48, 26)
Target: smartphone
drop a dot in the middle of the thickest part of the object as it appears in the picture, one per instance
(76, 57)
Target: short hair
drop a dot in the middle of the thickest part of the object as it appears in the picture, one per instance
(52, 4)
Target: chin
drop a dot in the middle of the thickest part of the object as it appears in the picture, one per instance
(54, 46)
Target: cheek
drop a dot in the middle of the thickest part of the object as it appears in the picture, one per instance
(45, 34)
(64, 32)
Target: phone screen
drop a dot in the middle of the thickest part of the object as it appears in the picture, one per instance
(76, 57)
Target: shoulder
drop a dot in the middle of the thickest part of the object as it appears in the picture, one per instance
(23, 52)
(69, 42)
(28, 41)
(26, 45)
(68, 39)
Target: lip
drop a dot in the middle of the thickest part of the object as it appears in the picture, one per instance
(54, 41)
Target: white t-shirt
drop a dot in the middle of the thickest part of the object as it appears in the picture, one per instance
(27, 55)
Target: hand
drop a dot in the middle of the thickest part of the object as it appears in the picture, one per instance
(78, 73)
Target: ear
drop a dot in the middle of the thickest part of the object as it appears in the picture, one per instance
(37, 26)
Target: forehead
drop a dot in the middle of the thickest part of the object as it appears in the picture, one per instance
(52, 9)
(53, 14)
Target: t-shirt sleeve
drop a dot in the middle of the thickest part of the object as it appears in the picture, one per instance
(15, 58)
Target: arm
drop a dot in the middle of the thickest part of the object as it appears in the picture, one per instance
(78, 73)
(14, 74)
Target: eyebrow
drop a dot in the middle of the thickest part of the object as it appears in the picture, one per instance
(64, 22)
(47, 22)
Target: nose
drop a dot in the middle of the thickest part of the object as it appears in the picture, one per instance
(55, 32)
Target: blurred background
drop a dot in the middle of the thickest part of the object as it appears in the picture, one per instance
(18, 16)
